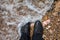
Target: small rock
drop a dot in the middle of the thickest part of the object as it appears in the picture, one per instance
(50, 31)
(48, 27)
(55, 14)
(58, 13)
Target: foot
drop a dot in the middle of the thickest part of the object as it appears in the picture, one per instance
(25, 32)
(38, 31)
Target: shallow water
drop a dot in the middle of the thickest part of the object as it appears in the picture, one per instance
(19, 13)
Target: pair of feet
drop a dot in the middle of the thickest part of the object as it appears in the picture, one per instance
(37, 33)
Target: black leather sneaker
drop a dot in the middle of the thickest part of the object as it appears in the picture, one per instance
(38, 31)
(25, 32)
